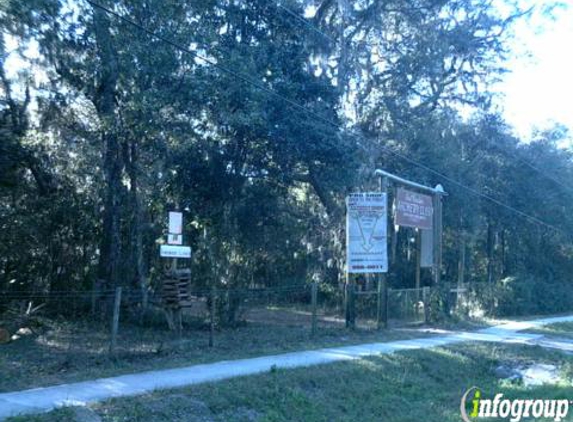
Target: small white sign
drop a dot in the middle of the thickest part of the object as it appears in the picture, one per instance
(175, 222)
(175, 239)
(171, 251)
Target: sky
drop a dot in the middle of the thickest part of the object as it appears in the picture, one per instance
(538, 91)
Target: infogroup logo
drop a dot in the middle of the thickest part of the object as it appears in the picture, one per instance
(512, 409)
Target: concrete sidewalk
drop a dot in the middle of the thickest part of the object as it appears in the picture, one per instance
(81, 393)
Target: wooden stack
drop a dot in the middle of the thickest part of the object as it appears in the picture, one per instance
(176, 288)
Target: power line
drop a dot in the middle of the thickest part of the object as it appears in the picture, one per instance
(306, 23)
(472, 190)
(553, 179)
(317, 30)
(317, 115)
(517, 157)
(332, 40)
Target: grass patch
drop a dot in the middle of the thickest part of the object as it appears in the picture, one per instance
(62, 351)
(562, 330)
(421, 385)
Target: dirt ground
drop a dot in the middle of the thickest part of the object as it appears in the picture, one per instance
(57, 350)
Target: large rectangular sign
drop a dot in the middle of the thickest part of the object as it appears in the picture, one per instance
(413, 209)
(171, 251)
(366, 233)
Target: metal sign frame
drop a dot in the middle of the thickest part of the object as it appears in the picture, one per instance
(437, 194)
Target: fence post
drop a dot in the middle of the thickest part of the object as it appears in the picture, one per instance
(379, 303)
(93, 298)
(386, 307)
(212, 317)
(314, 294)
(418, 262)
(352, 303)
(180, 326)
(115, 320)
(382, 303)
(347, 302)
(426, 300)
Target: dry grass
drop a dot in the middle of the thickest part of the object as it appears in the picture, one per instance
(60, 351)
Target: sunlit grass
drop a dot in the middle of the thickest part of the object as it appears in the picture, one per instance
(420, 385)
(562, 330)
(63, 351)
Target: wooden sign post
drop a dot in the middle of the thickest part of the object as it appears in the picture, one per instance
(366, 243)
(176, 284)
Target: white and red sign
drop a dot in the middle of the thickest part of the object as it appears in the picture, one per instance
(414, 209)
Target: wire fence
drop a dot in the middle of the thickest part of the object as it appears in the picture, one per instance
(101, 331)
(103, 322)
(307, 308)
(408, 305)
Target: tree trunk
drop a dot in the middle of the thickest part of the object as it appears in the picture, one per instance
(462, 260)
(136, 233)
(332, 209)
(503, 254)
(343, 8)
(462, 245)
(105, 103)
(490, 252)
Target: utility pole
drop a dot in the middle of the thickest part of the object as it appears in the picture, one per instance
(437, 200)
(382, 308)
